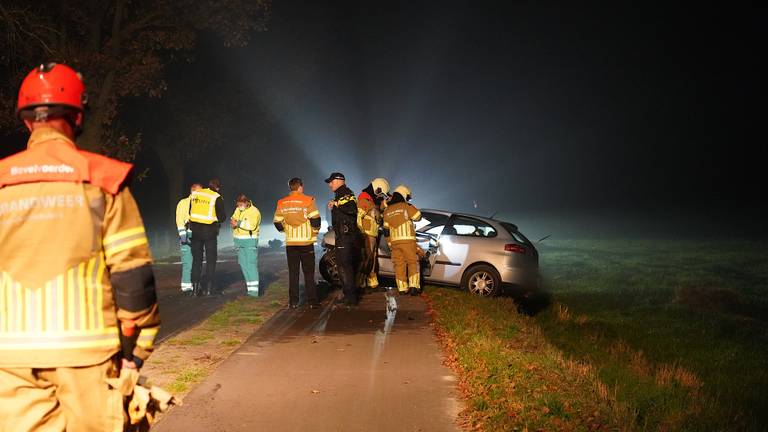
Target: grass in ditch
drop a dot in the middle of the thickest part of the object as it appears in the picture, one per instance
(510, 376)
(675, 329)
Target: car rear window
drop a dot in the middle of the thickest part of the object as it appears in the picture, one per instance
(517, 235)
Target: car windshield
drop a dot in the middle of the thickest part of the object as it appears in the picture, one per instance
(431, 223)
(517, 235)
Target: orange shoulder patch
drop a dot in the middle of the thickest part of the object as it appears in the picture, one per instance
(107, 173)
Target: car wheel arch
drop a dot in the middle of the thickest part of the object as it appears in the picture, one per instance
(468, 271)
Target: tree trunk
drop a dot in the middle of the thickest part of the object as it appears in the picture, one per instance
(93, 129)
(173, 165)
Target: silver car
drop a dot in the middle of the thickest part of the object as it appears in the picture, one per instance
(480, 254)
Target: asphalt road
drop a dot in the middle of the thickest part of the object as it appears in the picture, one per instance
(373, 368)
(180, 311)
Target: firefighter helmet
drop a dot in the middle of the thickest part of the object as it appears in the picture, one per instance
(380, 186)
(404, 191)
(52, 84)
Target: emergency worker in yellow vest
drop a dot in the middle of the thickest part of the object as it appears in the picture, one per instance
(369, 220)
(245, 223)
(205, 216)
(297, 216)
(185, 239)
(399, 218)
(75, 270)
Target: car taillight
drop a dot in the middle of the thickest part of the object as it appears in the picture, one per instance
(515, 248)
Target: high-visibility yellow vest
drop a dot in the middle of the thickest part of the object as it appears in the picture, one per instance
(203, 208)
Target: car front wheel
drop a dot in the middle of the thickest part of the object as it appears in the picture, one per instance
(328, 268)
(482, 280)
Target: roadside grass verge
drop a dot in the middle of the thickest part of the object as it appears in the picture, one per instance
(510, 376)
(189, 357)
(676, 329)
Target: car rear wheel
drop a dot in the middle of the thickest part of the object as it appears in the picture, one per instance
(482, 280)
(328, 268)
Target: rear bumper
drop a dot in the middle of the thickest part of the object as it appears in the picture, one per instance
(516, 276)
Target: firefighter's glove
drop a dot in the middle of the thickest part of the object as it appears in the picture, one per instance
(146, 403)
(125, 382)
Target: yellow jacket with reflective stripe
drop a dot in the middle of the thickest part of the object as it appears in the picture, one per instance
(248, 222)
(294, 212)
(203, 209)
(399, 219)
(182, 215)
(65, 236)
(367, 215)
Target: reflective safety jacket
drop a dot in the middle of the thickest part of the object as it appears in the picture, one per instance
(203, 208)
(367, 215)
(248, 222)
(182, 215)
(399, 219)
(74, 258)
(298, 217)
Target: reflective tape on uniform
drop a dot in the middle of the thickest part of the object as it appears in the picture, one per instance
(70, 302)
(104, 338)
(124, 240)
(146, 337)
(403, 232)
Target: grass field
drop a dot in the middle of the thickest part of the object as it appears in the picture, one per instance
(675, 332)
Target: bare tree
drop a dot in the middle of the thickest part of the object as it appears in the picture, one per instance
(121, 46)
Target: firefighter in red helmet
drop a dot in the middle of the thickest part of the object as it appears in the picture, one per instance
(73, 315)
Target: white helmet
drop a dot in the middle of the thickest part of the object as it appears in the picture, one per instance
(403, 190)
(380, 186)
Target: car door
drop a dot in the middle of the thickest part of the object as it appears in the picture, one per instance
(432, 223)
(457, 244)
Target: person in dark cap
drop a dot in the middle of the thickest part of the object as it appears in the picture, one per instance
(344, 221)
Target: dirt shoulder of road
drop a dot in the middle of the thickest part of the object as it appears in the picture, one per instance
(188, 357)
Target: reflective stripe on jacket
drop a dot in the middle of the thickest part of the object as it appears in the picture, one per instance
(399, 219)
(294, 213)
(203, 209)
(367, 215)
(74, 258)
(248, 222)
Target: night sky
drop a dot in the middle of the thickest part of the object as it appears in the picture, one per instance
(571, 121)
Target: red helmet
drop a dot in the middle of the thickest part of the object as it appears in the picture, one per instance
(52, 84)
